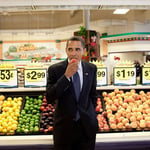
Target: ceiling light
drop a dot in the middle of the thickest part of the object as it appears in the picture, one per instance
(120, 11)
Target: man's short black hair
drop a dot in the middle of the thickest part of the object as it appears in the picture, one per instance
(76, 38)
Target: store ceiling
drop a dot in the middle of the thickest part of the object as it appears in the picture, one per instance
(35, 14)
(60, 18)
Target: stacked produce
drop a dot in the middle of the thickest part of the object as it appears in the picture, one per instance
(47, 118)
(101, 116)
(99, 107)
(2, 98)
(128, 110)
(9, 116)
(29, 119)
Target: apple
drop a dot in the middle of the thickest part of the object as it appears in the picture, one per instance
(104, 94)
(113, 126)
(50, 128)
(42, 108)
(134, 124)
(72, 61)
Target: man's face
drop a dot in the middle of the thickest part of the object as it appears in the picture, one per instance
(75, 50)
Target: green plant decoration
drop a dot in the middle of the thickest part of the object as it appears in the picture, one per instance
(82, 32)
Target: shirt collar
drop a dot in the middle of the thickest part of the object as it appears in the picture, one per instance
(79, 66)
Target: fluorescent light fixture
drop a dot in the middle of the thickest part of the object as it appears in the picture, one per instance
(120, 11)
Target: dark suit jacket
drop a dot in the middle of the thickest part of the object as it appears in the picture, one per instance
(60, 91)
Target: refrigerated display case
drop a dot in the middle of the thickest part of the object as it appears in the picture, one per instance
(104, 140)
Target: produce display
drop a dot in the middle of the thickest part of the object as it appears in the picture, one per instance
(116, 110)
(127, 111)
(2, 98)
(47, 118)
(9, 116)
(29, 118)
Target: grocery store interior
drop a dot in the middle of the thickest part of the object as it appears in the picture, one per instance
(33, 35)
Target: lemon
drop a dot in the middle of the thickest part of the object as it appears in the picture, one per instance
(20, 98)
(4, 130)
(9, 99)
(2, 97)
(1, 128)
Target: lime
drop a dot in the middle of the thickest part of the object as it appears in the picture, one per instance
(31, 129)
(38, 111)
(27, 97)
(29, 111)
(31, 105)
(40, 96)
(39, 101)
(18, 130)
(26, 130)
(35, 102)
(38, 108)
(31, 99)
(20, 122)
(27, 124)
(35, 106)
(23, 112)
(26, 108)
(24, 117)
(31, 123)
(26, 127)
(33, 111)
(38, 114)
(36, 129)
(36, 124)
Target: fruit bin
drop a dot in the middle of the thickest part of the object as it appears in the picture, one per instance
(112, 139)
(127, 110)
(12, 116)
(102, 113)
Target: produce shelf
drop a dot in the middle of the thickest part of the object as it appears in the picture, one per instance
(100, 138)
(42, 89)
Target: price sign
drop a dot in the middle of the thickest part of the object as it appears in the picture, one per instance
(8, 78)
(124, 76)
(101, 76)
(146, 75)
(35, 78)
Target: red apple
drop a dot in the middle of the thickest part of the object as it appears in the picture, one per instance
(72, 61)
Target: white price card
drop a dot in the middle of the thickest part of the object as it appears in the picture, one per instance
(146, 75)
(102, 76)
(124, 75)
(8, 78)
(35, 77)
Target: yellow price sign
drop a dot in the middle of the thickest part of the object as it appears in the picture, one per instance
(122, 73)
(101, 76)
(36, 75)
(6, 75)
(101, 73)
(146, 73)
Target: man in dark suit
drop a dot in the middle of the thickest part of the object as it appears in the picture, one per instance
(75, 122)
